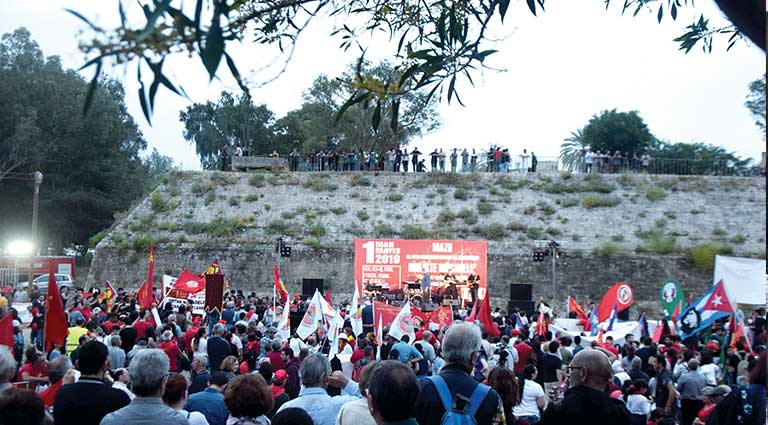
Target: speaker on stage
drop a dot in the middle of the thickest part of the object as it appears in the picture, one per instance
(624, 314)
(308, 286)
(520, 292)
(526, 306)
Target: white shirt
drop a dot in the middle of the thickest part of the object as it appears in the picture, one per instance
(711, 372)
(296, 345)
(120, 386)
(237, 342)
(589, 157)
(194, 418)
(202, 346)
(528, 406)
(638, 404)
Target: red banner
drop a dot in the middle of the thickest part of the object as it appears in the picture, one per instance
(394, 262)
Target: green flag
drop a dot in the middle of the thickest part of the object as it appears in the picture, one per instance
(671, 296)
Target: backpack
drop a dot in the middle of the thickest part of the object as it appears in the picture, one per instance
(452, 415)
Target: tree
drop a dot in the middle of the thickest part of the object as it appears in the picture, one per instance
(231, 121)
(157, 165)
(437, 42)
(363, 126)
(571, 152)
(612, 131)
(756, 102)
(91, 162)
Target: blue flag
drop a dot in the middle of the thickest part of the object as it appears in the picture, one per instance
(612, 318)
(703, 312)
(593, 322)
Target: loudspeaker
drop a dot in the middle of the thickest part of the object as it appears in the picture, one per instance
(308, 286)
(520, 292)
(526, 306)
(623, 315)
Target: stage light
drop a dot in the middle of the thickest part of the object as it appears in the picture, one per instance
(20, 247)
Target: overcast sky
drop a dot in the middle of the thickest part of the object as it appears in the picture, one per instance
(563, 66)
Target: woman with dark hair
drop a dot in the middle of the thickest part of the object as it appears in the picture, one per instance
(249, 400)
(175, 395)
(504, 382)
(637, 402)
(532, 399)
(292, 416)
(200, 342)
(22, 407)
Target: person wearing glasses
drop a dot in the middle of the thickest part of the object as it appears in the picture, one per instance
(587, 400)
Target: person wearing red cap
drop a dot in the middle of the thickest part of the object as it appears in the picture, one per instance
(278, 389)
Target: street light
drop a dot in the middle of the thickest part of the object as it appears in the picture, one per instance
(19, 248)
(38, 180)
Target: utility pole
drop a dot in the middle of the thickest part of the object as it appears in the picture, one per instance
(38, 176)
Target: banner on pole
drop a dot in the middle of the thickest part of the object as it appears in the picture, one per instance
(671, 296)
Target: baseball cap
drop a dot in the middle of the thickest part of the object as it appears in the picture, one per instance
(197, 320)
(516, 332)
(281, 375)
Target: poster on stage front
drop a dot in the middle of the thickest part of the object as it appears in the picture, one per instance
(392, 263)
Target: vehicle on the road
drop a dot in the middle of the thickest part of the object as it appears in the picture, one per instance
(41, 283)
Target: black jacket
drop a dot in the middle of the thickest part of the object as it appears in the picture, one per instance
(86, 402)
(429, 409)
(583, 405)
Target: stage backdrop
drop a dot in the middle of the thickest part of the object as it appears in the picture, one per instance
(393, 262)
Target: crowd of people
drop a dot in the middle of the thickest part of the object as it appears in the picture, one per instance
(455, 160)
(120, 366)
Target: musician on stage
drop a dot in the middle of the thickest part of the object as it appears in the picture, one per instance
(474, 284)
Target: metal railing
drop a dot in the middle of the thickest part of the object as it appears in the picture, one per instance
(545, 164)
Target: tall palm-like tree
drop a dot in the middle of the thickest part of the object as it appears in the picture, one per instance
(571, 149)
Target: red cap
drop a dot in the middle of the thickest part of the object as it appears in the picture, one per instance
(713, 346)
(281, 375)
(223, 322)
(197, 320)
(516, 332)
(244, 369)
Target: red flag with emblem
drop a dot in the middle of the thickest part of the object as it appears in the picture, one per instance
(55, 327)
(143, 296)
(189, 283)
(620, 294)
(108, 295)
(443, 316)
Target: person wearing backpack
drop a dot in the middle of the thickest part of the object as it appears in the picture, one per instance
(468, 401)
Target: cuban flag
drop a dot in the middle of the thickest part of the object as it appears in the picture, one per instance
(612, 318)
(700, 314)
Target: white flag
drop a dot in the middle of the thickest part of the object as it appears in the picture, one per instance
(403, 324)
(333, 334)
(314, 314)
(356, 315)
(284, 328)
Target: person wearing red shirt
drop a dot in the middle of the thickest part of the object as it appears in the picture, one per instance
(171, 350)
(524, 352)
(142, 325)
(358, 354)
(190, 333)
(35, 370)
(275, 357)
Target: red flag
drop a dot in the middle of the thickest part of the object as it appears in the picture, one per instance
(484, 315)
(737, 334)
(55, 327)
(574, 307)
(189, 283)
(600, 336)
(473, 315)
(280, 286)
(214, 268)
(385, 313)
(677, 311)
(328, 296)
(149, 294)
(143, 295)
(442, 316)
(541, 324)
(6, 331)
(619, 294)
(416, 312)
(109, 295)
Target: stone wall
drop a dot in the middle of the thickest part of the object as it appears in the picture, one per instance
(195, 217)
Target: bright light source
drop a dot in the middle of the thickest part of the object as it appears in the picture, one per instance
(20, 247)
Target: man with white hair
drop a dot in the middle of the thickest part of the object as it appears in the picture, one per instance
(7, 368)
(149, 373)
(315, 373)
(461, 347)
